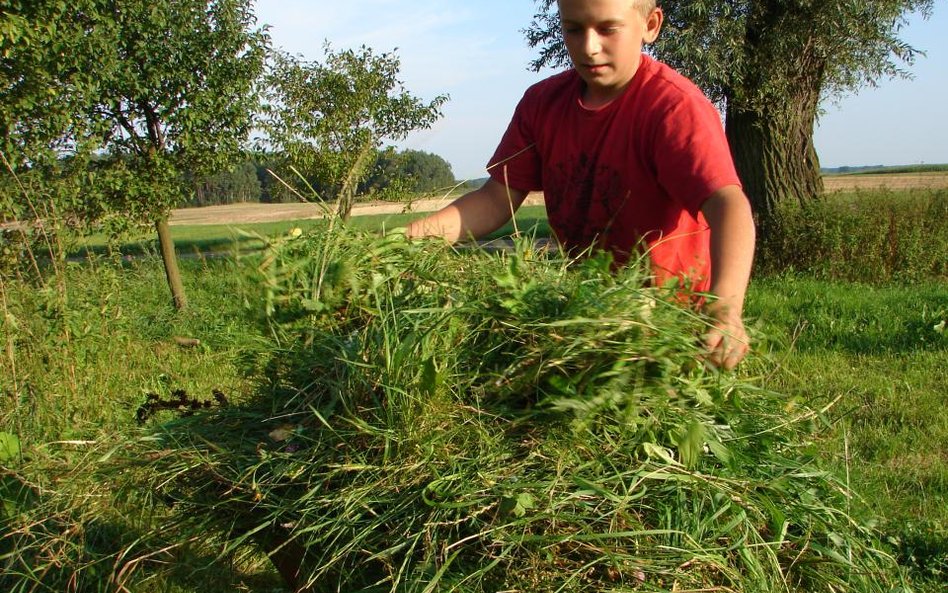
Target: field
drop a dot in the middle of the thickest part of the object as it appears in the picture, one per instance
(85, 353)
(262, 213)
(238, 214)
(892, 181)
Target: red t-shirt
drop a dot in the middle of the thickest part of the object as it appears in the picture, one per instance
(632, 174)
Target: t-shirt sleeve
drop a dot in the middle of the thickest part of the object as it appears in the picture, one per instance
(516, 162)
(692, 157)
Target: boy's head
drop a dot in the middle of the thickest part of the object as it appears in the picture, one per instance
(604, 39)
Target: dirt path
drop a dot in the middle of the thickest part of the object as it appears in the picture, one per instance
(253, 213)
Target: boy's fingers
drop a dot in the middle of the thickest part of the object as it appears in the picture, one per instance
(733, 355)
(726, 350)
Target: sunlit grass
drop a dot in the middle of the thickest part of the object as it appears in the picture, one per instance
(883, 352)
(78, 364)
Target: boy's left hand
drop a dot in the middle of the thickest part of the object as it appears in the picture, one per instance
(727, 342)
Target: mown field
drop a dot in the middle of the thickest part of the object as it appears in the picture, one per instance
(851, 326)
(226, 228)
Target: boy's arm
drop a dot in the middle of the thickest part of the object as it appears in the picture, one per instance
(729, 216)
(473, 215)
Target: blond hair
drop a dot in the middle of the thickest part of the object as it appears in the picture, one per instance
(645, 6)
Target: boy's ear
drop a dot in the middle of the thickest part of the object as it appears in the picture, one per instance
(653, 24)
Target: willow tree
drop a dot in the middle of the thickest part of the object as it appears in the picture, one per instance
(769, 64)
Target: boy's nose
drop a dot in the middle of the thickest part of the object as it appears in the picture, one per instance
(593, 44)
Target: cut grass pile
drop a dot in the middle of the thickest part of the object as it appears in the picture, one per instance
(354, 423)
(523, 422)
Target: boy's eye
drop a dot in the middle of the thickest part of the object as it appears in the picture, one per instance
(603, 30)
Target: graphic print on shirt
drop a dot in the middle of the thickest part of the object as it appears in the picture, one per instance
(584, 200)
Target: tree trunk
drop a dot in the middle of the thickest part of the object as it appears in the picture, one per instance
(774, 155)
(770, 119)
(170, 259)
(353, 176)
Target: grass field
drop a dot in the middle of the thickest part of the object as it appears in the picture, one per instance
(80, 363)
(83, 353)
(883, 352)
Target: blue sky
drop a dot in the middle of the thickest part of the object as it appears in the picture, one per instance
(476, 53)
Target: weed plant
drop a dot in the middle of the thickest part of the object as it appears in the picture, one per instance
(435, 421)
(874, 237)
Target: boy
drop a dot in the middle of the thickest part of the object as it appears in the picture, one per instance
(629, 155)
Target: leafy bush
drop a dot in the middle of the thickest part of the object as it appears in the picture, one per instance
(868, 236)
(435, 421)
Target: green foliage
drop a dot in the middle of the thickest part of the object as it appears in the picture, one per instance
(327, 119)
(164, 87)
(407, 174)
(868, 236)
(9, 447)
(48, 64)
(179, 102)
(493, 423)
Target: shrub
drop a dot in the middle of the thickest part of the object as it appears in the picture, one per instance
(868, 236)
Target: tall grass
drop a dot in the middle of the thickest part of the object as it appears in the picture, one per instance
(476, 423)
(456, 421)
(866, 236)
(83, 347)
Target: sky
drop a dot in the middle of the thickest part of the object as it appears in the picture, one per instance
(475, 52)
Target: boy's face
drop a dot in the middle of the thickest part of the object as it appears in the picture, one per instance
(604, 39)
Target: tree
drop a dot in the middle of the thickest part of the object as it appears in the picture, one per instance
(179, 95)
(429, 171)
(42, 77)
(328, 119)
(236, 185)
(768, 64)
(407, 172)
(164, 87)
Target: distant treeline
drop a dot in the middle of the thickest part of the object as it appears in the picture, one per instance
(883, 169)
(395, 175)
